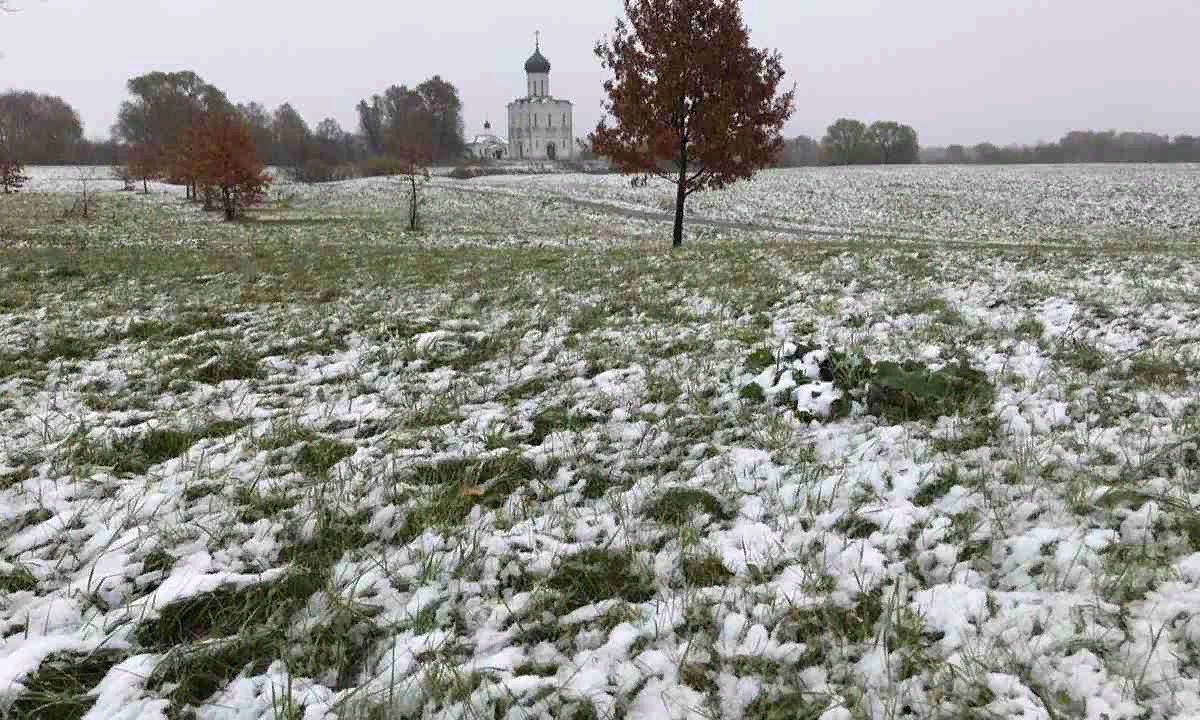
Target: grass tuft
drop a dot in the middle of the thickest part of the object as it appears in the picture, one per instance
(62, 685)
(590, 576)
(677, 506)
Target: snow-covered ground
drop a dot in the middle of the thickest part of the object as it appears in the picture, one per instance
(1075, 204)
(529, 463)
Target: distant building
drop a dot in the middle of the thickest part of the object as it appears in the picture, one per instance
(540, 126)
(488, 145)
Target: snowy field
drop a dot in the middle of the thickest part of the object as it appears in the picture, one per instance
(529, 463)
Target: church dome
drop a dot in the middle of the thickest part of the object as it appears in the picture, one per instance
(537, 63)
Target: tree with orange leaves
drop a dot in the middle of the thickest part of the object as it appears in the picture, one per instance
(694, 104)
(225, 160)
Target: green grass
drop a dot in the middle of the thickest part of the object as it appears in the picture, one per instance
(211, 637)
(319, 455)
(937, 487)
(558, 418)
(20, 579)
(453, 488)
(136, 454)
(705, 570)
(219, 363)
(676, 506)
(981, 431)
(590, 576)
(61, 686)
(522, 544)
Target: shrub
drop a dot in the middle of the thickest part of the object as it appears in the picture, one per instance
(380, 165)
(462, 172)
(318, 171)
(11, 174)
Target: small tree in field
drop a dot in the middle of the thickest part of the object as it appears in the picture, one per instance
(11, 177)
(225, 160)
(694, 104)
(120, 172)
(414, 174)
(143, 163)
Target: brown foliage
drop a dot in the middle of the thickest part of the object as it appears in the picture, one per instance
(11, 173)
(226, 163)
(40, 129)
(144, 163)
(693, 102)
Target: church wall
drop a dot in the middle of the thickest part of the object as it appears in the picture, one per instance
(535, 123)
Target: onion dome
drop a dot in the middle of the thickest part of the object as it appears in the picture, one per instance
(537, 63)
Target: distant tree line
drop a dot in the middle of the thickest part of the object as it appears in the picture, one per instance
(426, 121)
(152, 132)
(1081, 146)
(853, 142)
(850, 142)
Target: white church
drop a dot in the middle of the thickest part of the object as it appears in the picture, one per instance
(540, 126)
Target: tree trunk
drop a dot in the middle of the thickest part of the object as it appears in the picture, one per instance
(680, 197)
(680, 192)
(145, 186)
(412, 213)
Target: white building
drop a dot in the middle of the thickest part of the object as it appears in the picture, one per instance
(540, 126)
(487, 145)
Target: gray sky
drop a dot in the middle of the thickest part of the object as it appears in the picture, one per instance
(957, 70)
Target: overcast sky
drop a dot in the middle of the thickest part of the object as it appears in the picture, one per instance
(957, 70)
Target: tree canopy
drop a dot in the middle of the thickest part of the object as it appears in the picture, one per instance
(692, 101)
(38, 129)
(428, 116)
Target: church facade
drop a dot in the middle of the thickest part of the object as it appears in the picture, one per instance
(540, 126)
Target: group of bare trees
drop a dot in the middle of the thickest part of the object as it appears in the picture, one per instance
(283, 139)
(33, 129)
(428, 117)
(180, 129)
(43, 128)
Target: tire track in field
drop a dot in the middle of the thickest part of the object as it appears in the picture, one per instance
(836, 237)
(734, 225)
